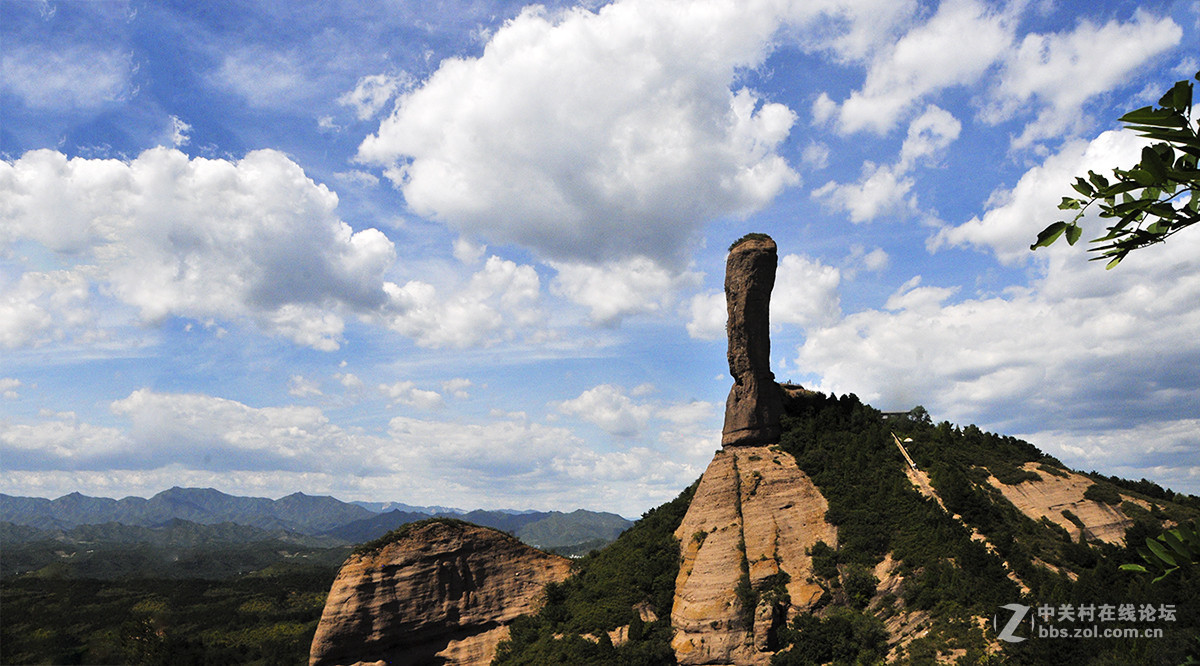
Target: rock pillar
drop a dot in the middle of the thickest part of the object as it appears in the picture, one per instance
(755, 402)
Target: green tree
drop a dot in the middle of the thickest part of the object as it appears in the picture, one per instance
(1154, 200)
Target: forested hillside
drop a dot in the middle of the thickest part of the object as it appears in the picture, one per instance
(940, 582)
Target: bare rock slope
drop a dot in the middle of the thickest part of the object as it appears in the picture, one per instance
(744, 543)
(443, 592)
(1057, 496)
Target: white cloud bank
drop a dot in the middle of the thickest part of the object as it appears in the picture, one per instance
(593, 136)
(169, 235)
(254, 239)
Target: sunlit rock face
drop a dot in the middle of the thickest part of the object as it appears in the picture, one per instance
(755, 403)
(752, 524)
(443, 593)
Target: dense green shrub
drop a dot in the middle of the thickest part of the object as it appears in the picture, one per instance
(843, 637)
(638, 569)
(750, 236)
(1103, 493)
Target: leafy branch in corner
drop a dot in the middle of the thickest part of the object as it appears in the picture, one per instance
(1150, 202)
(1169, 552)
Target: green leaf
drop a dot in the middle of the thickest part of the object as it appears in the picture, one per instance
(1083, 187)
(1049, 235)
(1152, 117)
(1073, 233)
(1070, 204)
(1099, 181)
(1134, 567)
(1179, 97)
(1154, 164)
(1161, 552)
(1167, 573)
(1177, 545)
(1143, 177)
(1189, 535)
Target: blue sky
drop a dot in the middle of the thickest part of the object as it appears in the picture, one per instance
(471, 253)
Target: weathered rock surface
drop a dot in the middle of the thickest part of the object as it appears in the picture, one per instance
(442, 593)
(755, 402)
(1053, 494)
(754, 515)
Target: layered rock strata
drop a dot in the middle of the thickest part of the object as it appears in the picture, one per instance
(442, 593)
(754, 517)
(1052, 495)
(755, 403)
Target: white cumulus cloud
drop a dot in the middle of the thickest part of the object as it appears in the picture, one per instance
(885, 189)
(589, 136)
(608, 407)
(407, 393)
(620, 288)
(1016, 215)
(927, 59)
(43, 307)
(496, 304)
(170, 235)
(372, 92)
(9, 386)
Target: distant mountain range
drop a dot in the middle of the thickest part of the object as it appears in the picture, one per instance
(384, 507)
(341, 522)
(297, 512)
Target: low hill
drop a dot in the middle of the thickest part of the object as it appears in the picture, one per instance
(542, 529)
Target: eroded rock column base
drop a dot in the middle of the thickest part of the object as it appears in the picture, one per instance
(753, 518)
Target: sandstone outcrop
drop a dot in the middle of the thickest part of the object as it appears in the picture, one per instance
(442, 592)
(754, 516)
(1054, 494)
(755, 402)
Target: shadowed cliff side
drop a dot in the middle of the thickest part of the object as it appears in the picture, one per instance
(436, 592)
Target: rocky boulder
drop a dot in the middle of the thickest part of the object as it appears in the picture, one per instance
(755, 402)
(436, 592)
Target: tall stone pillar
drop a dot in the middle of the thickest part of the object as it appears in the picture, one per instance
(755, 402)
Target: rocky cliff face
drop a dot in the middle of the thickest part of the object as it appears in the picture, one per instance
(442, 593)
(1055, 494)
(744, 544)
(755, 402)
